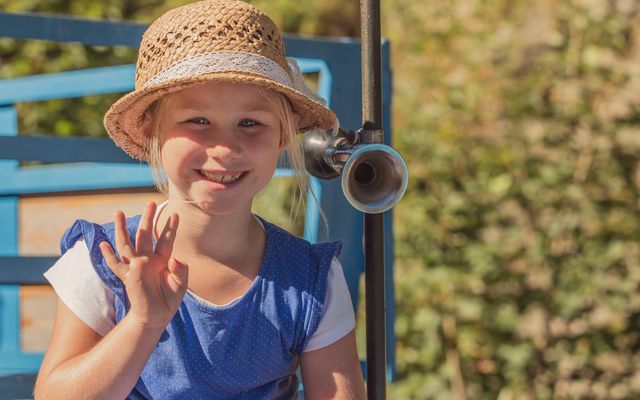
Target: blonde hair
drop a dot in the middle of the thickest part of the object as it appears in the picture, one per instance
(289, 140)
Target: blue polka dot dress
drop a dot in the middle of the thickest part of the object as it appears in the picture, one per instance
(249, 349)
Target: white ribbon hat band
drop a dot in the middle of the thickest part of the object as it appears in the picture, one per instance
(225, 61)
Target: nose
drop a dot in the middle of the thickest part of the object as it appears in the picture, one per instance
(224, 146)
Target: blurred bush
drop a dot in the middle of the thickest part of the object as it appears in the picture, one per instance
(517, 244)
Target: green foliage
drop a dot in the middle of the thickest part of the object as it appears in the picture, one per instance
(517, 269)
(519, 228)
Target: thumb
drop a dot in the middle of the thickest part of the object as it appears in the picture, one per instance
(179, 272)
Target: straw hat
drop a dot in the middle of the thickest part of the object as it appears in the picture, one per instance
(222, 40)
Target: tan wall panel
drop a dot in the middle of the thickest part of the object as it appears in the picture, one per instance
(42, 221)
(37, 309)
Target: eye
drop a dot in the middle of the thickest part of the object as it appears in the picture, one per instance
(248, 123)
(198, 121)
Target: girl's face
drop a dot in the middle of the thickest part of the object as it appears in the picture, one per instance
(220, 145)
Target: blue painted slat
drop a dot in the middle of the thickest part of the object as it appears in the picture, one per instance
(53, 149)
(314, 192)
(94, 81)
(8, 225)
(312, 214)
(24, 270)
(70, 29)
(8, 206)
(62, 85)
(59, 28)
(10, 314)
(325, 78)
(15, 362)
(9, 294)
(309, 65)
(79, 176)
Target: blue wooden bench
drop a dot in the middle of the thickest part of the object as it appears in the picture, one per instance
(337, 64)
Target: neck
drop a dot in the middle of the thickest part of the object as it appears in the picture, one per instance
(224, 238)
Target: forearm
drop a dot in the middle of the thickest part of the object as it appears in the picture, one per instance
(109, 370)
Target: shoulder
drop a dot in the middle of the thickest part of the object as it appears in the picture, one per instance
(296, 249)
(297, 263)
(93, 233)
(338, 317)
(300, 272)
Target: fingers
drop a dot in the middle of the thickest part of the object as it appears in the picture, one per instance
(112, 260)
(123, 241)
(167, 236)
(144, 235)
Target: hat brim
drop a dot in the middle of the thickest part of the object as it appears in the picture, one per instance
(124, 119)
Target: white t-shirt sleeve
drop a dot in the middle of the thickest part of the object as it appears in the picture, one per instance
(80, 288)
(337, 318)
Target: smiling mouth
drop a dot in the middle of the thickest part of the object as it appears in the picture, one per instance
(219, 178)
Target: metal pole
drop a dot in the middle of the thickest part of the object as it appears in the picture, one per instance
(373, 223)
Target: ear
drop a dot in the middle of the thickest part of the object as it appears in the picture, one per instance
(147, 124)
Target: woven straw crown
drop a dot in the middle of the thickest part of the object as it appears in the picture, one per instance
(225, 40)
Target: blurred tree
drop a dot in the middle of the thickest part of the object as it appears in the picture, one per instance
(517, 242)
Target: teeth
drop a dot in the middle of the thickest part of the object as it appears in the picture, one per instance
(221, 178)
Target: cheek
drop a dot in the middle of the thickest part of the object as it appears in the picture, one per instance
(178, 152)
(269, 153)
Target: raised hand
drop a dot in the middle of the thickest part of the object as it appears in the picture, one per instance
(155, 281)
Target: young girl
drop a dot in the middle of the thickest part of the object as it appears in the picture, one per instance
(198, 298)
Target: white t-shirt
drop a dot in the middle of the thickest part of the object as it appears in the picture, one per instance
(93, 302)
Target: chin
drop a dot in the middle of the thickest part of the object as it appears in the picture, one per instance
(214, 204)
(221, 208)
